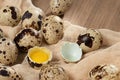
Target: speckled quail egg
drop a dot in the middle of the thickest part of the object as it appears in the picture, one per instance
(105, 72)
(32, 18)
(28, 38)
(9, 16)
(58, 7)
(52, 72)
(52, 29)
(8, 73)
(90, 40)
(8, 51)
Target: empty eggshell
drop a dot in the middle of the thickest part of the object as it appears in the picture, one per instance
(71, 52)
(28, 38)
(52, 72)
(105, 72)
(52, 29)
(32, 18)
(8, 73)
(58, 7)
(9, 16)
(8, 51)
(90, 40)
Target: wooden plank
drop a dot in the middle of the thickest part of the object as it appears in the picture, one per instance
(90, 13)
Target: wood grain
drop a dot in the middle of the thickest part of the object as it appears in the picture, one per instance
(90, 13)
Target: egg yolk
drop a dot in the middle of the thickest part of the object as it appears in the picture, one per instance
(39, 56)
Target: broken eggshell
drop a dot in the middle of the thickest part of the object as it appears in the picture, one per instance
(38, 56)
(9, 16)
(90, 40)
(52, 29)
(9, 73)
(52, 72)
(71, 52)
(32, 18)
(58, 7)
(28, 38)
(105, 72)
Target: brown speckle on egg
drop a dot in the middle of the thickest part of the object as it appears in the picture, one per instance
(1, 34)
(13, 12)
(86, 39)
(57, 31)
(4, 10)
(44, 31)
(3, 39)
(26, 15)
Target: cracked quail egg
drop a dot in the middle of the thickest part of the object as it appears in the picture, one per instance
(28, 38)
(90, 40)
(32, 18)
(8, 73)
(105, 72)
(52, 29)
(8, 51)
(9, 16)
(38, 56)
(58, 7)
(52, 72)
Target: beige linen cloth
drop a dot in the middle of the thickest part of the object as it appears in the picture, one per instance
(109, 53)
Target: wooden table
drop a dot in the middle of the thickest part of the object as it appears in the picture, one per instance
(90, 13)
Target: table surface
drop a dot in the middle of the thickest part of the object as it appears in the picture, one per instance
(90, 13)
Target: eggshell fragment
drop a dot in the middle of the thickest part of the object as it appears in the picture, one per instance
(71, 52)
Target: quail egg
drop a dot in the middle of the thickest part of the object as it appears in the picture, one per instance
(52, 29)
(105, 72)
(38, 56)
(89, 41)
(32, 18)
(58, 7)
(52, 72)
(28, 38)
(9, 16)
(8, 73)
(71, 52)
(8, 51)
